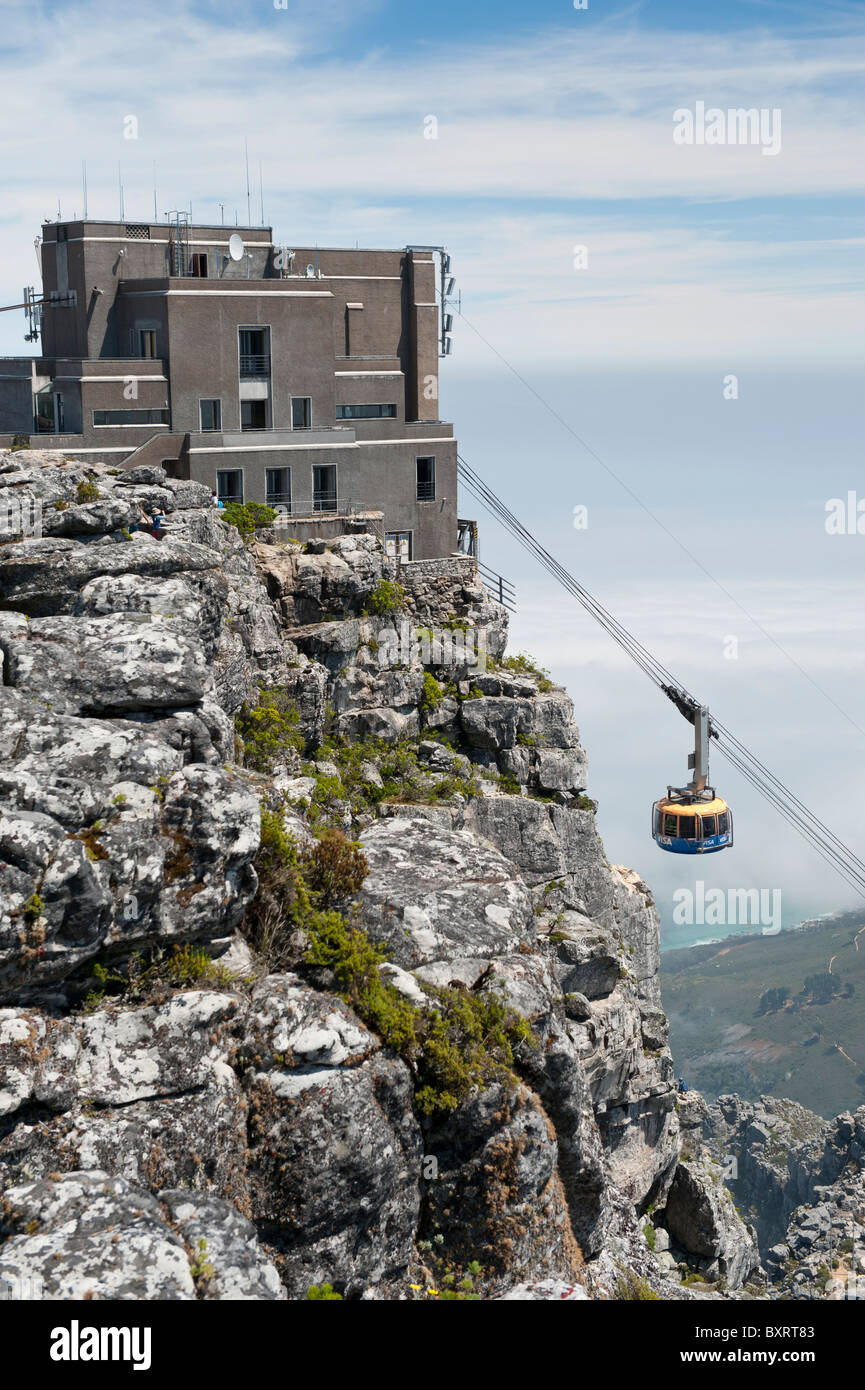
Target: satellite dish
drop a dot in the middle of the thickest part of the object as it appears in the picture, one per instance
(310, 272)
(235, 246)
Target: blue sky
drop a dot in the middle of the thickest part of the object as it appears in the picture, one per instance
(555, 131)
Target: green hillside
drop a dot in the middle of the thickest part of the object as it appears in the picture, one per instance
(782, 1015)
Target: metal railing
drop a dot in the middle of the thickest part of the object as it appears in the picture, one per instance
(309, 507)
(501, 590)
(253, 365)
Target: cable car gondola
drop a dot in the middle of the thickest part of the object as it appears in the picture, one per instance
(692, 819)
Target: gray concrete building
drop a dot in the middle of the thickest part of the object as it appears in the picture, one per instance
(305, 378)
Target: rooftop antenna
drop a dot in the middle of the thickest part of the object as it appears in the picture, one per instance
(222, 214)
(261, 191)
(84, 185)
(155, 214)
(248, 206)
(59, 213)
(120, 191)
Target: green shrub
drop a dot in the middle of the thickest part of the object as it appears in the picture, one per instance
(282, 901)
(268, 734)
(649, 1233)
(386, 599)
(247, 517)
(522, 665)
(462, 1041)
(632, 1289)
(323, 1293)
(191, 965)
(432, 694)
(87, 491)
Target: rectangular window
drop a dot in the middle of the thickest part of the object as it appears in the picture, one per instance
(198, 264)
(687, 828)
(301, 412)
(324, 487)
(722, 823)
(229, 485)
(211, 415)
(278, 487)
(708, 826)
(147, 342)
(253, 415)
(366, 412)
(44, 411)
(670, 825)
(426, 479)
(254, 353)
(130, 417)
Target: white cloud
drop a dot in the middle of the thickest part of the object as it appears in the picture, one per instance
(530, 134)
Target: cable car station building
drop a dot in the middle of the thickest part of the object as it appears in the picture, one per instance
(306, 379)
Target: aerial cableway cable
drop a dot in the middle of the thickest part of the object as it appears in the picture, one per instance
(818, 835)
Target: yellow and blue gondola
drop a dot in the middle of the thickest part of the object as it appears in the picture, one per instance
(685, 826)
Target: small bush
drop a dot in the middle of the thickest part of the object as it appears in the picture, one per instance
(432, 695)
(323, 1293)
(268, 734)
(87, 491)
(386, 599)
(522, 665)
(333, 868)
(247, 517)
(282, 900)
(632, 1289)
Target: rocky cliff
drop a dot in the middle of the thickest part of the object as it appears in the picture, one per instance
(314, 974)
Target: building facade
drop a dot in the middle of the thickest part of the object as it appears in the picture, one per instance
(306, 379)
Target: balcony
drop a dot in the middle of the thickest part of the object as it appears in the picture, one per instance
(254, 366)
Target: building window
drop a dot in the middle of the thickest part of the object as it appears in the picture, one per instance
(229, 484)
(278, 487)
(324, 487)
(49, 417)
(130, 417)
(254, 353)
(253, 415)
(366, 412)
(426, 479)
(147, 342)
(211, 415)
(198, 264)
(301, 412)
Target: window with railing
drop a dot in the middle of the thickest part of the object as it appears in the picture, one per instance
(278, 488)
(229, 484)
(254, 353)
(426, 479)
(324, 488)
